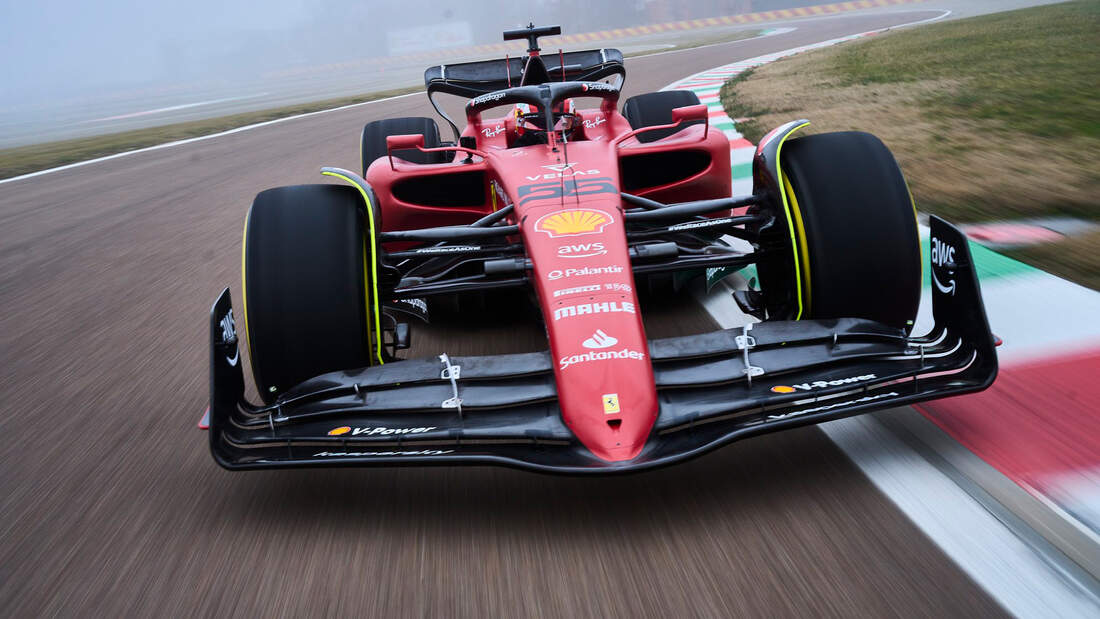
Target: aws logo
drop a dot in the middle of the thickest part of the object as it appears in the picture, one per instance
(581, 250)
(943, 256)
(942, 253)
(573, 222)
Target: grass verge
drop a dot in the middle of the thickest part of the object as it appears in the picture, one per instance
(992, 117)
(35, 157)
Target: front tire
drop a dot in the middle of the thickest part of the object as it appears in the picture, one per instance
(855, 228)
(305, 301)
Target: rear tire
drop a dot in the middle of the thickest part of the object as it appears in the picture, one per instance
(373, 141)
(305, 304)
(654, 109)
(859, 227)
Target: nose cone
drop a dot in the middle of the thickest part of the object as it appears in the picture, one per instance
(572, 225)
(607, 396)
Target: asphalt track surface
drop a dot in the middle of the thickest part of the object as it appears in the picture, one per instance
(110, 504)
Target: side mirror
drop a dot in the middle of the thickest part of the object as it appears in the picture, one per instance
(689, 113)
(680, 117)
(404, 142)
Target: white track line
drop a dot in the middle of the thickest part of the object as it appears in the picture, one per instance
(172, 108)
(295, 117)
(1013, 573)
(768, 32)
(199, 138)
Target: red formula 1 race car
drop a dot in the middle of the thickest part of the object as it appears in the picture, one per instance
(581, 208)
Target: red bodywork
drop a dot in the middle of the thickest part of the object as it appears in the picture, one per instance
(568, 206)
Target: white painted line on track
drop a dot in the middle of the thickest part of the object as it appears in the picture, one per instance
(1013, 573)
(199, 138)
(1000, 562)
(770, 32)
(1008, 569)
(173, 108)
(306, 115)
(788, 29)
(773, 32)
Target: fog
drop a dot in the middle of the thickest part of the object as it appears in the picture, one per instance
(71, 63)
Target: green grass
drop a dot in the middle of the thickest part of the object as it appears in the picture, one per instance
(34, 157)
(1035, 71)
(749, 127)
(992, 117)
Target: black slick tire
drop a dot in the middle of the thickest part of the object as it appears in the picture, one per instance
(305, 301)
(855, 228)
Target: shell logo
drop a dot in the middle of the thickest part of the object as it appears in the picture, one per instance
(339, 431)
(573, 222)
(782, 389)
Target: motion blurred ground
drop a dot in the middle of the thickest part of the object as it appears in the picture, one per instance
(991, 118)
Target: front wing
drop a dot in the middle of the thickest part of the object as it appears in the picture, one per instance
(713, 389)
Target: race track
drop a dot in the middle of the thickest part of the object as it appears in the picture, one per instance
(110, 504)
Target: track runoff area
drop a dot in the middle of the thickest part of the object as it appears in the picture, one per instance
(1020, 579)
(1037, 425)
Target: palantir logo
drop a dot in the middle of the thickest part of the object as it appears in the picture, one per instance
(599, 339)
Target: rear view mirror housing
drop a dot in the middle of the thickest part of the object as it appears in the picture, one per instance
(404, 142)
(689, 113)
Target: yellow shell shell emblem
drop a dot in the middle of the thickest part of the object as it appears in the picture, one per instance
(573, 222)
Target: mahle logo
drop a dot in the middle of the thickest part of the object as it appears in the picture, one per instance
(593, 308)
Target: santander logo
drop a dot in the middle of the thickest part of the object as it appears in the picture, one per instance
(599, 339)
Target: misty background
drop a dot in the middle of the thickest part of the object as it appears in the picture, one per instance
(73, 68)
